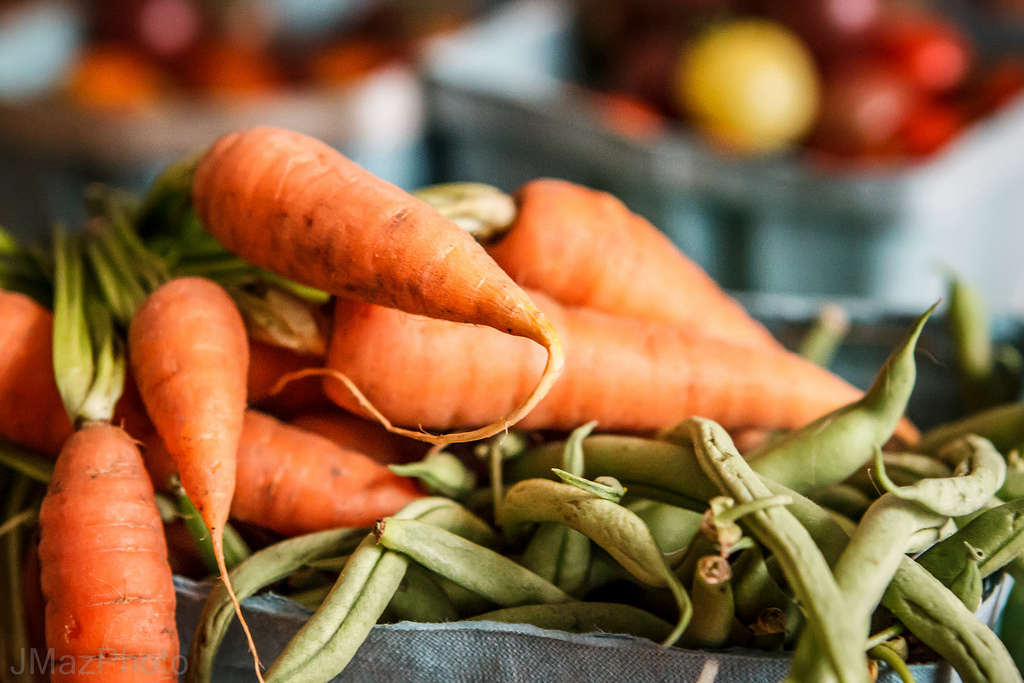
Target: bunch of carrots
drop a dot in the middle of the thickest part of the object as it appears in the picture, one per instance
(271, 327)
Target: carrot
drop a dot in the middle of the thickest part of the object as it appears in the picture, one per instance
(267, 365)
(629, 374)
(357, 434)
(294, 206)
(189, 355)
(109, 593)
(31, 411)
(585, 248)
(294, 481)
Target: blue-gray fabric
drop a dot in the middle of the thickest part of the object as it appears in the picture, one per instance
(468, 652)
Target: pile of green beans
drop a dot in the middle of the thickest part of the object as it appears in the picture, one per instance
(804, 544)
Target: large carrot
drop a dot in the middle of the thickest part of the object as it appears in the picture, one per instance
(358, 434)
(109, 593)
(294, 481)
(296, 207)
(626, 373)
(31, 411)
(585, 248)
(189, 356)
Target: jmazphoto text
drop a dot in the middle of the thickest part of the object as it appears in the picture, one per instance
(105, 661)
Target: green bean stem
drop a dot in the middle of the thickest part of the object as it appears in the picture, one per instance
(831, 448)
(713, 607)
(825, 336)
(754, 591)
(441, 473)
(886, 654)
(803, 564)
(585, 617)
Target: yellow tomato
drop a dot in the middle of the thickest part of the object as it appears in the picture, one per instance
(751, 84)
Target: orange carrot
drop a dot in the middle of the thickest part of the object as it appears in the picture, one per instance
(297, 482)
(108, 588)
(267, 365)
(585, 248)
(294, 206)
(31, 410)
(189, 355)
(357, 434)
(629, 374)
(294, 481)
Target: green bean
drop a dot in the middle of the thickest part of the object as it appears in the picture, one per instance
(991, 540)
(482, 571)
(585, 617)
(713, 607)
(330, 564)
(825, 336)
(669, 472)
(777, 529)
(16, 641)
(684, 562)
(374, 581)
(971, 331)
(886, 654)
(881, 539)
(557, 553)
(967, 585)
(1013, 487)
(420, 599)
(755, 591)
(262, 569)
(847, 500)
(672, 527)
(940, 620)
(603, 570)
(441, 473)
(903, 468)
(466, 602)
(613, 527)
(831, 448)
(1002, 425)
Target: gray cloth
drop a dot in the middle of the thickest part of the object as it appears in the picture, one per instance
(489, 652)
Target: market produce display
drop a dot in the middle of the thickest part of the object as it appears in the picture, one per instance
(866, 81)
(582, 406)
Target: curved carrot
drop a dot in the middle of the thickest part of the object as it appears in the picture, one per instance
(294, 206)
(627, 374)
(267, 365)
(358, 434)
(294, 481)
(190, 355)
(585, 248)
(109, 593)
(31, 410)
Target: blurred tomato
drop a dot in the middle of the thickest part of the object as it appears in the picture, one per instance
(751, 84)
(114, 77)
(233, 71)
(629, 116)
(830, 27)
(864, 105)
(930, 127)
(932, 51)
(162, 28)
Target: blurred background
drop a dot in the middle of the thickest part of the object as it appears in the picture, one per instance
(830, 148)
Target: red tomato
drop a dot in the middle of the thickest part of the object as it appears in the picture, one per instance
(932, 51)
(931, 127)
(864, 105)
(830, 27)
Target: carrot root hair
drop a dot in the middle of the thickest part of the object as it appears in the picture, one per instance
(218, 551)
(552, 371)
